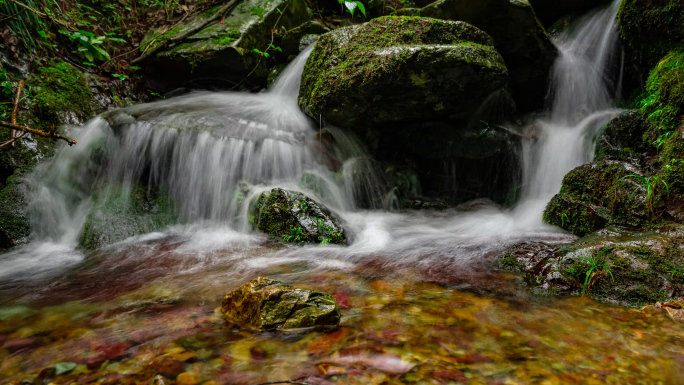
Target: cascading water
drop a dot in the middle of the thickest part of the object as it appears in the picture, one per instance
(583, 86)
(200, 149)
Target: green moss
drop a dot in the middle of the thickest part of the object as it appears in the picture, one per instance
(118, 214)
(59, 90)
(509, 262)
(650, 29)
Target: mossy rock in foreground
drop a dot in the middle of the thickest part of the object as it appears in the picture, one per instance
(598, 194)
(644, 267)
(295, 218)
(266, 304)
(397, 69)
(118, 214)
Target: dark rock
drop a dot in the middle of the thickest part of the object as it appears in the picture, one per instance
(551, 11)
(291, 43)
(266, 304)
(518, 36)
(644, 267)
(622, 138)
(651, 29)
(598, 194)
(15, 226)
(294, 217)
(118, 214)
(224, 51)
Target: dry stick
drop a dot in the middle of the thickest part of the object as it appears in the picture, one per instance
(188, 32)
(11, 141)
(44, 134)
(17, 96)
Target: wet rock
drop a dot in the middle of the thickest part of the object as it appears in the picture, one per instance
(518, 36)
(295, 218)
(15, 227)
(292, 40)
(118, 213)
(265, 304)
(651, 29)
(395, 69)
(550, 11)
(224, 51)
(641, 268)
(622, 138)
(595, 195)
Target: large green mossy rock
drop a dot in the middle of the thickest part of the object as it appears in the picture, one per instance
(295, 218)
(398, 69)
(265, 303)
(518, 36)
(224, 51)
(118, 213)
(649, 29)
(622, 138)
(595, 195)
(645, 267)
(15, 227)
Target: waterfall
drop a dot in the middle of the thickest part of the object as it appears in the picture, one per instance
(582, 88)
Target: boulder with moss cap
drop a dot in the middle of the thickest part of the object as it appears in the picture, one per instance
(264, 304)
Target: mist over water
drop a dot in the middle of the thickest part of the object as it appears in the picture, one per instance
(201, 148)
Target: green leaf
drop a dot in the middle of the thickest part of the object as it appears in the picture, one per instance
(89, 64)
(351, 6)
(64, 367)
(361, 8)
(134, 68)
(88, 55)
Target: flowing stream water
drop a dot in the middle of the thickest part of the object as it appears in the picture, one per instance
(202, 148)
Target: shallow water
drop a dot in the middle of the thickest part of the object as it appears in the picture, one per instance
(150, 307)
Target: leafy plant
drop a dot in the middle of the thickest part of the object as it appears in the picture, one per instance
(352, 6)
(88, 44)
(294, 236)
(564, 217)
(650, 184)
(597, 268)
(327, 233)
(264, 54)
(677, 270)
(120, 76)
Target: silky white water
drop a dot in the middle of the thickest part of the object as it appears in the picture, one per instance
(202, 148)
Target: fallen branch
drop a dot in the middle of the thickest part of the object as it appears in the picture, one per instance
(190, 31)
(44, 134)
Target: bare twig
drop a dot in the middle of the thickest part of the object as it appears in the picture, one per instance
(188, 32)
(44, 134)
(11, 141)
(41, 14)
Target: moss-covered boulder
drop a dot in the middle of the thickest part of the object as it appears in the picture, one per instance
(649, 29)
(640, 268)
(295, 218)
(225, 50)
(119, 213)
(265, 304)
(622, 138)
(59, 95)
(595, 195)
(518, 36)
(15, 227)
(398, 69)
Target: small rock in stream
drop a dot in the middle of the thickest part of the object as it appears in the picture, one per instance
(265, 304)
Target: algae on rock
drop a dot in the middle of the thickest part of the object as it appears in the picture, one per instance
(118, 213)
(295, 218)
(265, 304)
(224, 51)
